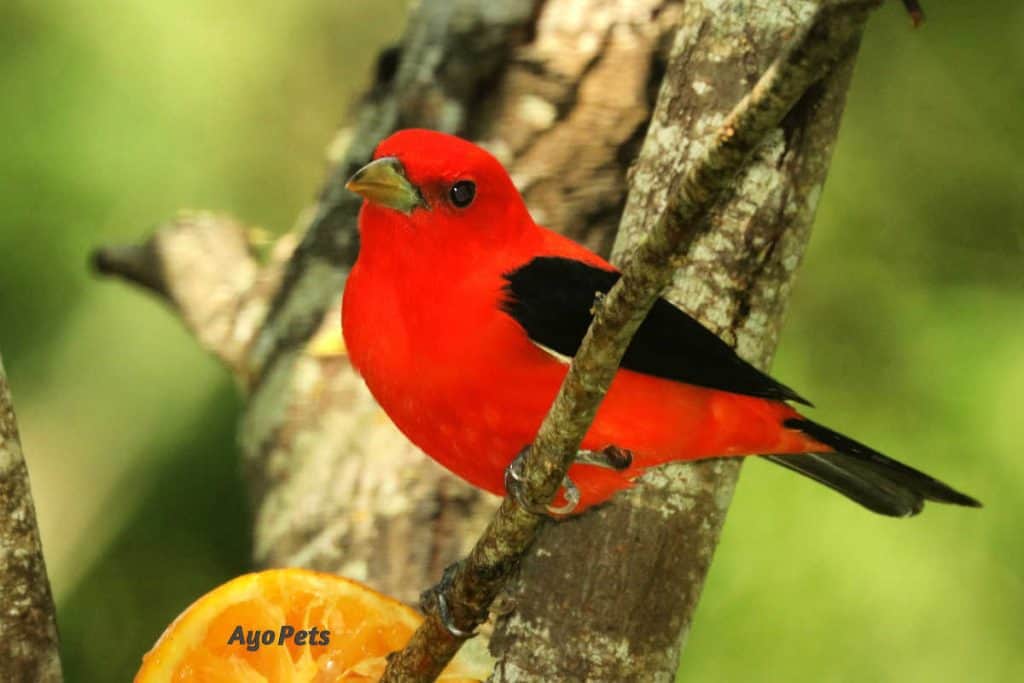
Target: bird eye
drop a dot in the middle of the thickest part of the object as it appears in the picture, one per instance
(462, 193)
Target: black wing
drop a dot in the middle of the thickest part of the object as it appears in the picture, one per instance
(551, 298)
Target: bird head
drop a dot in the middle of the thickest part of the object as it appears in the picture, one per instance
(431, 181)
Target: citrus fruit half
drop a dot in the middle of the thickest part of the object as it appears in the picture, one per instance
(289, 626)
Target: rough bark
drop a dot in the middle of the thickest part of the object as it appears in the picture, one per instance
(623, 610)
(561, 91)
(28, 622)
(817, 42)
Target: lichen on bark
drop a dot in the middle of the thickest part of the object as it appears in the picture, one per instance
(333, 485)
(622, 609)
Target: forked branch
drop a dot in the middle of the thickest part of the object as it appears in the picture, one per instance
(827, 37)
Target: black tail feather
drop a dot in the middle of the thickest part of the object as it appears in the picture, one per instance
(866, 476)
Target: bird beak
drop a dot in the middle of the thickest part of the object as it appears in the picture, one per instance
(383, 182)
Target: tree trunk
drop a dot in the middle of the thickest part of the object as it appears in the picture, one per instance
(28, 621)
(562, 92)
(610, 596)
(564, 110)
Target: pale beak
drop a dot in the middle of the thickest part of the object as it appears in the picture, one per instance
(383, 182)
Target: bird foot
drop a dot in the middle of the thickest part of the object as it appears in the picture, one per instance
(437, 597)
(513, 485)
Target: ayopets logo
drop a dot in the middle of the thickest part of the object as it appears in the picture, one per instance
(252, 639)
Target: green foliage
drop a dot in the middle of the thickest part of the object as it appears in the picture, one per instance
(905, 328)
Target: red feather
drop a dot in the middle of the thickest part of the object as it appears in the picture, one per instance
(423, 325)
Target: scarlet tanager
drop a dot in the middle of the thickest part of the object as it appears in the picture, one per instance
(461, 314)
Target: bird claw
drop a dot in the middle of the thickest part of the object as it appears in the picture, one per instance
(611, 457)
(513, 485)
(572, 499)
(438, 595)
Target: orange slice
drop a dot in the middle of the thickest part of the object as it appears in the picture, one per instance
(248, 631)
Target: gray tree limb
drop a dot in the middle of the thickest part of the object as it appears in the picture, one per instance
(736, 280)
(565, 105)
(28, 621)
(826, 36)
(334, 485)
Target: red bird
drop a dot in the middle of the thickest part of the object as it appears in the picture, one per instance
(461, 314)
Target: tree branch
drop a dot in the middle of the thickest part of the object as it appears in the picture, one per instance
(563, 97)
(736, 280)
(475, 582)
(202, 265)
(915, 11)
(28, 622)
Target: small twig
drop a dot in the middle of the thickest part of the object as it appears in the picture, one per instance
(135, 263)
(201, 264)
(477, 579)
(915, 11)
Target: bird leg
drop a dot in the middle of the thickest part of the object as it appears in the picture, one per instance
(513, 485)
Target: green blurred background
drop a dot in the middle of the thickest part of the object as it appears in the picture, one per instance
(906, 327)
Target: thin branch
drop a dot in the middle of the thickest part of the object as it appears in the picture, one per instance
(202, 265)
(915, 11)
(135, 263)
(28, 621)
(475, 581)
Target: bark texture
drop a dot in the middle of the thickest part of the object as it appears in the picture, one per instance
(623, 608)
(561, 91)
(28, 622)
(820, 41)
